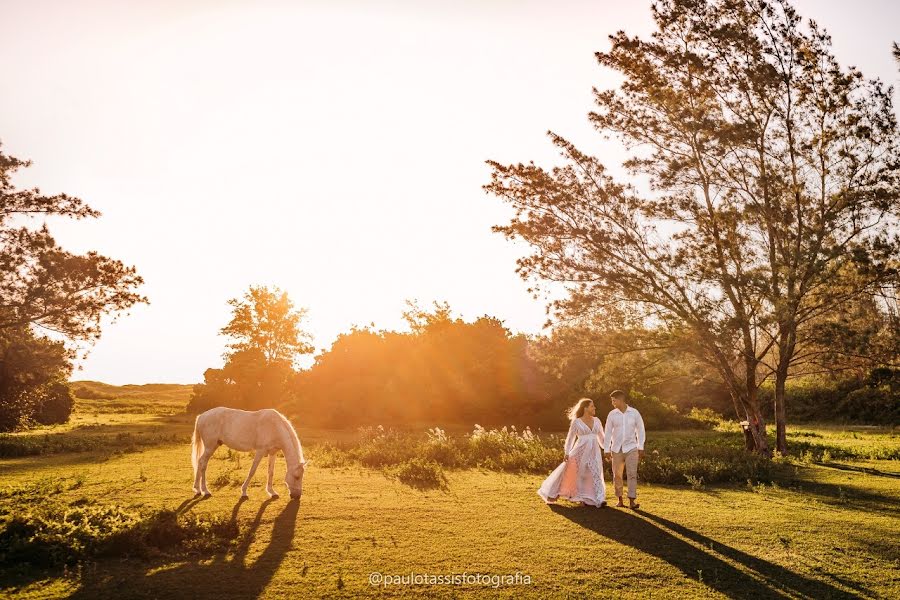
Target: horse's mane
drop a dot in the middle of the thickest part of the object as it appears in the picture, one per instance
(292, 436)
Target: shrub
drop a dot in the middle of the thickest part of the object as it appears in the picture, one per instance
(54, 535)
(506, 449)
(57, 405)
(421, 474)
(86, 393)
(660, 416)
(383, 447)
(874, 399)
(441, 449)
(871, 405)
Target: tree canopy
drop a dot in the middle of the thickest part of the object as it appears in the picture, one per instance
(774, 182)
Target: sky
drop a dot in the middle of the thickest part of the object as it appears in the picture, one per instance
(335, 149)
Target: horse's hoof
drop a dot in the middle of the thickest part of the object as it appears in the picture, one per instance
(274, 496)
(245, 497)
(207, 495)
(197, 494)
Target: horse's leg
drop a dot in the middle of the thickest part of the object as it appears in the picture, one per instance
(257, 457)
(197, 477)
(269, 488)
(201, 466)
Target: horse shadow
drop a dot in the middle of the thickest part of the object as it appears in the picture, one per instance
(705, 558)
(226, 575)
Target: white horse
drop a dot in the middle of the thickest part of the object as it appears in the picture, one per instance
(264, 431)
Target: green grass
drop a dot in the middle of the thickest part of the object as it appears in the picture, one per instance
(822, 530)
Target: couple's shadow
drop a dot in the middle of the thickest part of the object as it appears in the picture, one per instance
(224, 576)
(706, 560)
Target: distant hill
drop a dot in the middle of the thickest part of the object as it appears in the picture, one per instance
(168, 393)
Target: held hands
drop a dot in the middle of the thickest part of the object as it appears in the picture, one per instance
(640, 454)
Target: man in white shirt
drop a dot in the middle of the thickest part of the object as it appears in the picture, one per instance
(624, 445)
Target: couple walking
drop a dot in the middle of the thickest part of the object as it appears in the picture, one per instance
(580, 477)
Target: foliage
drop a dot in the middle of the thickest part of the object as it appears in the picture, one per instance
(873, 399)
(421, 473)
(670, 459)
(56, 406)
(247, 381)
(258, 369)
(444, 370)
(265, 321)
(53, 534)
(773, 166)
(43, 285)
(31, 368)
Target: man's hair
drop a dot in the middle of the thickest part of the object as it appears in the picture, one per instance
(618, 394)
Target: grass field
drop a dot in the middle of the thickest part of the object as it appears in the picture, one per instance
(830, 531)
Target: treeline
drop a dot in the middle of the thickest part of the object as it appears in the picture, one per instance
(445, 371)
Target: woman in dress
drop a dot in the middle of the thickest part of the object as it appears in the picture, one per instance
(580, 477)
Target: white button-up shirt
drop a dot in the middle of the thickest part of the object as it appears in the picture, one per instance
(624, 431)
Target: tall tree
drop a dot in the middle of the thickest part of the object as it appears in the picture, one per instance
(265, 320)
(774, 174)
(266, 338)
(44, 289)
(41, 284)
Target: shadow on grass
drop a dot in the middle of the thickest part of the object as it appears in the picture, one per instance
(855, 469)
(656, 536)
(225, 576)
(854, 494)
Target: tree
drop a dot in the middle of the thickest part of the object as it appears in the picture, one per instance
(31, 368)
(42, 285)
(258, 371)
(44, 288)
(774, 181)
(895, 49)
(265, 320)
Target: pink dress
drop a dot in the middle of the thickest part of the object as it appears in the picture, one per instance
(580, 479)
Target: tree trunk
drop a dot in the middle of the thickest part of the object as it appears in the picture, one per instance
(758, 430)
(780, 413)
(756, 424)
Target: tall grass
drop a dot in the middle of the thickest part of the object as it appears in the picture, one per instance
(669, 458)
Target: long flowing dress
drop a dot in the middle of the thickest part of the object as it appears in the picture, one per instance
(579, 479)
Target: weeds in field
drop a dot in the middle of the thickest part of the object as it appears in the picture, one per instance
(670, 459)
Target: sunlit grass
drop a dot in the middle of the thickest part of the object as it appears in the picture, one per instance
(822, 532)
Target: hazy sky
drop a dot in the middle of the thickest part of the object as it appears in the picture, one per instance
(335, 148)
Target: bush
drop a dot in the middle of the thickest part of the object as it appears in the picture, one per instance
(86, 393)
(706, 463)
(506, 449)
(874, 399)
(57, 405)
(660, 416)
(421, 474)
(380, 447)
(55, 535)
(871, 405)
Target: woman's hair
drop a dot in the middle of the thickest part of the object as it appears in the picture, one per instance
(578, 410)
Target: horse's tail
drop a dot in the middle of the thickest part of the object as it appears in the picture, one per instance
(196, 446)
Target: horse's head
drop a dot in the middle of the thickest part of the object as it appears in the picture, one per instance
(294, 480)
